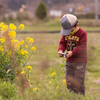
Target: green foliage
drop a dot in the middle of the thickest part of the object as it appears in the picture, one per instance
(8, 91)
(6, 72)
(41, 11)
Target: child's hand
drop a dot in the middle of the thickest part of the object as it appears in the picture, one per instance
(59, 53)
(69, 54)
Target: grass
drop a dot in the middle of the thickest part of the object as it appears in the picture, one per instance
(46, 58)
(46, 61)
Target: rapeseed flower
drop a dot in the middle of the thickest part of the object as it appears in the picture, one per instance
(57, 87)
(1, 24)
(53, 74)
(1, 48)
(29, 67)
(21, 27)
(12, 34)
(49, 82)
(64, 81)
(33, 48)
(39, 84)
(21, 42)
(29, 40)
(22, 72)
(26, 46)
(18, 46)
(4, 28)
(34, 89)
(12, 27)
(21, 52)
(2, 40)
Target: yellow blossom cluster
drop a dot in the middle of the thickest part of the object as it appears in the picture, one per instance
(29, 40)
(20, 48)
(34, 89)
(64, 81)
(22, 72)
(33, 48)
(21, 27)
(53, 74)
(29, 67)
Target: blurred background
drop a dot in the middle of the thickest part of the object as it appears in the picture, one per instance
(55, 8)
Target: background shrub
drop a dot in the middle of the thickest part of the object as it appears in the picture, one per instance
(41, 11)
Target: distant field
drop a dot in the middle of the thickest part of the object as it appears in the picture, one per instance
(54, 24)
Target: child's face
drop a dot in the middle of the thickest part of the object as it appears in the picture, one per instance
(74, 28)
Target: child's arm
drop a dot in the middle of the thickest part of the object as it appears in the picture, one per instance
(62, 46)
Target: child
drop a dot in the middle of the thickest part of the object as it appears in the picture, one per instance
(74, 40)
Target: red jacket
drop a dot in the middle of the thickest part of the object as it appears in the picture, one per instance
(77, 44)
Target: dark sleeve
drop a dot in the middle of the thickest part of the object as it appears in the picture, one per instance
(82, 46)
(62, 44)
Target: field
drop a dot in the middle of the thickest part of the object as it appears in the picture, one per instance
(48, 70)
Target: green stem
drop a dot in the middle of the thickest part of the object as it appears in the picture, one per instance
(27, 59)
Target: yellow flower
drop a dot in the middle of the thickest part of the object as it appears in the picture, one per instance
(29, 67)
(33, 48)
(29, 71)
(22, 72)
(34, 89)
(49, 82)
(21, 27)
(64, 81)
(12, 27)
(12, 34)
(4, 28)
(15, 43)
(57, 87)
(1, 24)
(26, 46)
(29, 40)
(1, 48)
(22, 52)
(25, 53)
(39, 84)
(53, 74)
(2, 40)
(21, 42)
